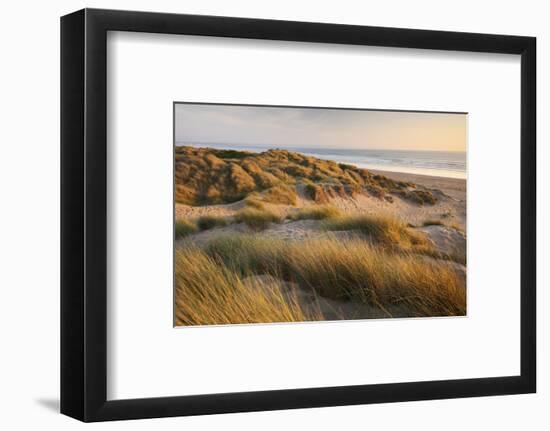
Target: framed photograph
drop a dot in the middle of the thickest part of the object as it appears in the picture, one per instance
(262, 215)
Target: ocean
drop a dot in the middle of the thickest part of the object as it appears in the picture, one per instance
(448, 164)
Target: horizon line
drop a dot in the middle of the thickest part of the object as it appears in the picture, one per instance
(269, 146)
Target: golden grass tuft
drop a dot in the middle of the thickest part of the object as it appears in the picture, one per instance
(258, 219)
(383, 230)
(247, 254)
(209, 222)
(185, 195)
(420, 197)
(316, 193)
(254, 201)
(316, 212)
(184, 228)
(356, 270)
(281, 194)
(209, 293)
(265, 180)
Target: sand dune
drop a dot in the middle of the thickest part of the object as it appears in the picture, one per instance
(449, 210)
(417, 222)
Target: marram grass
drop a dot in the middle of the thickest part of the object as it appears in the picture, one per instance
(208, 293)
(211, 287)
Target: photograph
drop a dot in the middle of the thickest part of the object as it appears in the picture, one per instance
(295, 214)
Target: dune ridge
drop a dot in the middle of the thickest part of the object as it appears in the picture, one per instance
(206, 176)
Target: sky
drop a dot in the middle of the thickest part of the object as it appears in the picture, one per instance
(319, 128)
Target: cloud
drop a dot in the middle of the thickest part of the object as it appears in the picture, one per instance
(319, 127)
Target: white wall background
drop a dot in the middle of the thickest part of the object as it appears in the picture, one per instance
(140, 127)
(29, 215)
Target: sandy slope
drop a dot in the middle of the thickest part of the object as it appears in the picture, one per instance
(450, 208)
(449, 238)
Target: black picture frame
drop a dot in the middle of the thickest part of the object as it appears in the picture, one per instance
(84, 214)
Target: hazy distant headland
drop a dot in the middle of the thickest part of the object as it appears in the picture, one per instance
(281, 236)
